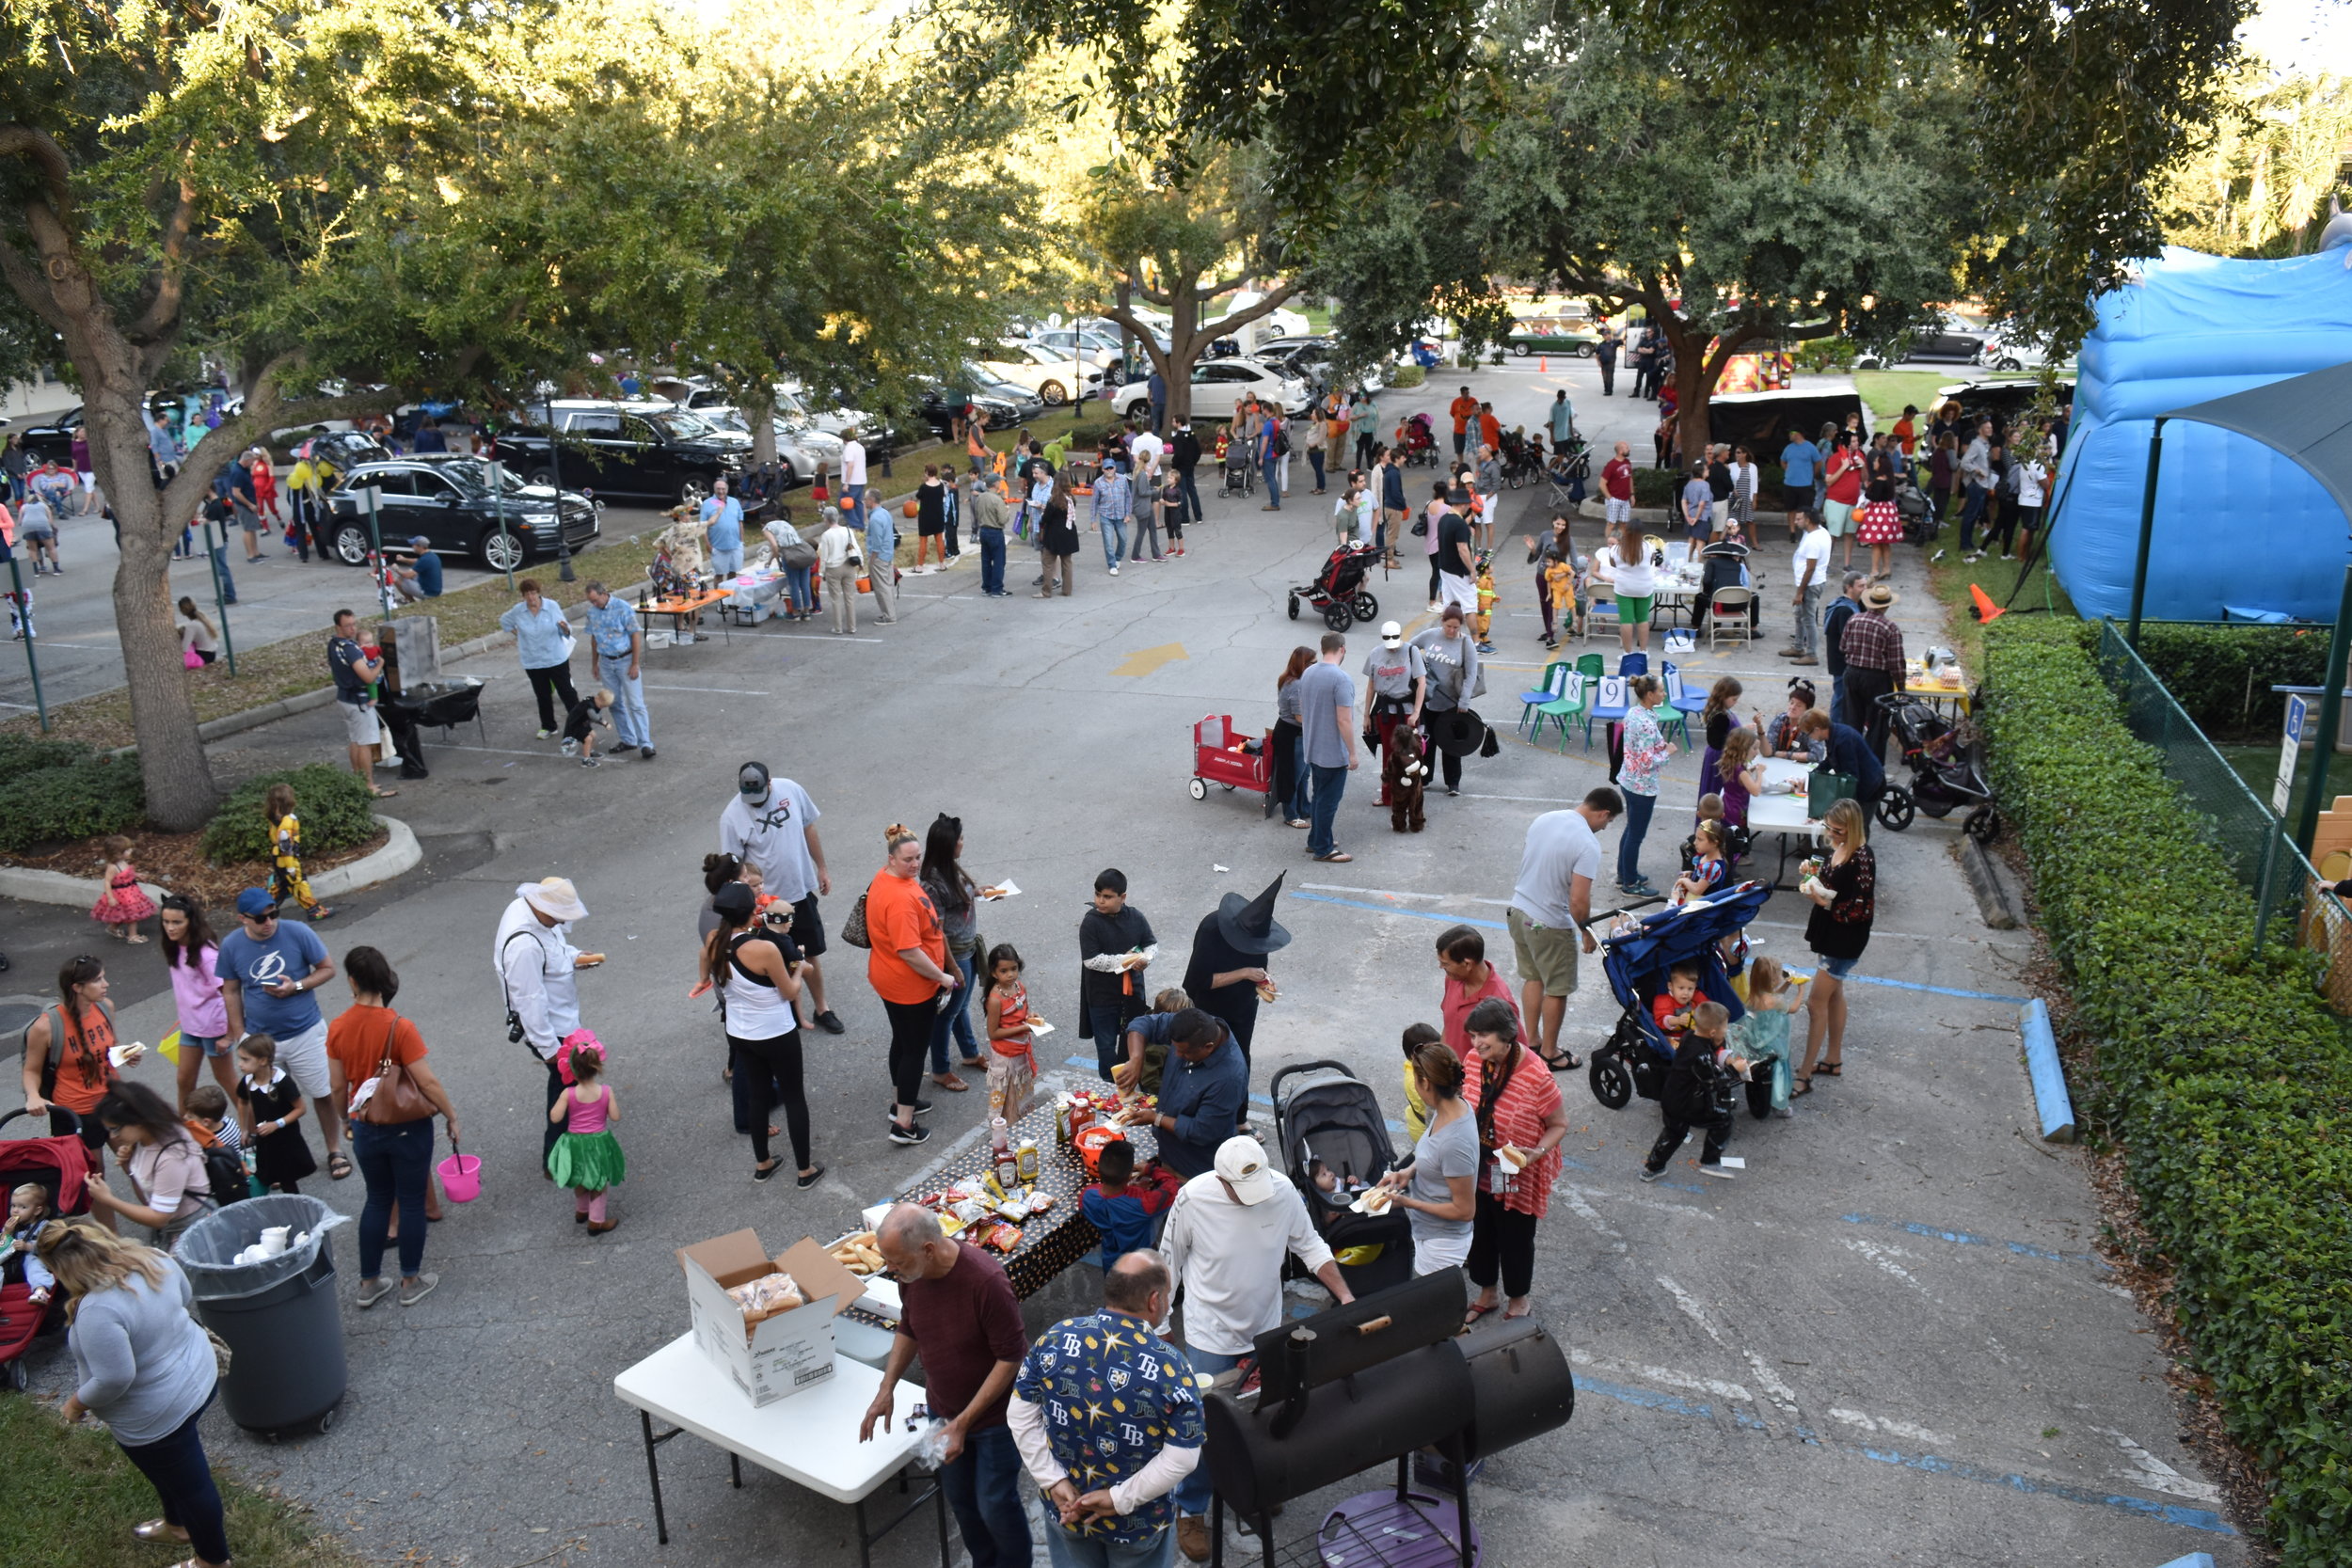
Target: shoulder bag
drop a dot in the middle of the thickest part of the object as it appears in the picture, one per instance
(392, 1098)
(853, 928)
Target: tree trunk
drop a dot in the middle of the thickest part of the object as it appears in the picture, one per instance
(759, 409)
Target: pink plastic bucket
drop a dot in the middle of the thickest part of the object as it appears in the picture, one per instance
(461, 1177)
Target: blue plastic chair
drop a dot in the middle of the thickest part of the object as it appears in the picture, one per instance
(1633, 664)
(1597, 710)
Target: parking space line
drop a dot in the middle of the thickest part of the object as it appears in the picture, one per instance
(1963, 1237)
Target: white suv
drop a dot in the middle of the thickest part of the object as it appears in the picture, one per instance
(1219, 387)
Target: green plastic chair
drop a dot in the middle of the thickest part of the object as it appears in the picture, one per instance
(1568, 705)
(1545, 690)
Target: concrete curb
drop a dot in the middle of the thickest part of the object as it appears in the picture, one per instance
(401, 852)
(1989, 880)
(1595, 510)
(2049, 1078)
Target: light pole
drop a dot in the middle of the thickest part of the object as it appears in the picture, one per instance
(564, 572)
(24, 617)
(498, 509)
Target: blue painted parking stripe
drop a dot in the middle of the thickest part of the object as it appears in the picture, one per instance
(2171, 1514)
(1391, 909)
(1648, 1399)
(1963, 1237)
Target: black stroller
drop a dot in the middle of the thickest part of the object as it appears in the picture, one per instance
(1337, 592)
(1921, 519)
(1236, 474)
(1639, 962)
(1324, 1114)
(1522, 459)
(1942, 777)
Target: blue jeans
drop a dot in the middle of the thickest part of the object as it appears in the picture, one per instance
(1325, 786)
(393, 1162)
(795, 585)
(1065, 1550)
(1192, 492)
(1972, 510)
(983, 1485)
(1272, 468)
(991, 560)
(1114, 540)
(1637, 814)
(956, 1021)
(1192, 1492)
(631, 725)
(175, 1465)
(1110, 1039)
(1837, 695)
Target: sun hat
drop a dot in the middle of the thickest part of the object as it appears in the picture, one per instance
(1878, 598)
(553, 896)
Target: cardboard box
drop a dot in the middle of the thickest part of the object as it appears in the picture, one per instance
(781, 1355)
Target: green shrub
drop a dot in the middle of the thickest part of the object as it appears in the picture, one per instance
(1652, 487)
(20, 754)
(2226, 1076)
(2222, 675)
(1830, 355)
(335, 808)
(1405, 377)
(69, 801)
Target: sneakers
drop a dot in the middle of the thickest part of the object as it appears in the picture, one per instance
(1792, 653)
(592, 762)
(644, 754)
(1717, 1171)
(906, 1135)
(373, 1290)
(1114, 571)
(544, 734)
(412, 1294)
(1804, 659)
(830, 1021)
(922, 1108)
(1648, 1175)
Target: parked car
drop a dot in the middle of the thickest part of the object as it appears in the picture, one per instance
(1098, 347)
(1217, 387)
(1278, 322)
(1046, 372)
(648, 451)
(447, 500)
(937, 409)
(1531, 337)
(802, 451)
(2001, 352)
(1947, 336)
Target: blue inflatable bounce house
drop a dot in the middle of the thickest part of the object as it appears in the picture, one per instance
(2239, 527)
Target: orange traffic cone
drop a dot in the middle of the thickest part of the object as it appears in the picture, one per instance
(1543, 366)
(1985, 612)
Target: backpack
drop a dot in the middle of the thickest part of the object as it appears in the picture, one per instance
(1281, 444)
(224, 1172)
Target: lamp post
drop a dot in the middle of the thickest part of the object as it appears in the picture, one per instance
(220, 591)
(497, 510)
(24, 617)
(564, 572)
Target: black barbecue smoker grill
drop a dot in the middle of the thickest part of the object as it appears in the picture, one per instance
(1378, 1380)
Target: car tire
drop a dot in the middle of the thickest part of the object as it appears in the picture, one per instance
(1582, 351)
(1522, 351)
(542, 476)
(1054, 394)
(2007, 362)
(692, 491)
(1139, 410)
(351, 543)
(503, 552)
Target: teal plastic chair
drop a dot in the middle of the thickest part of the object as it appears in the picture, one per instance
(1546, 690)
(1568, 705)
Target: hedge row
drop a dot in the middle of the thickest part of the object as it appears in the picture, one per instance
(2222, 675)
(2227, 1078)
(52, 795)
(335, 807)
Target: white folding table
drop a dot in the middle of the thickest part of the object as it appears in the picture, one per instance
(809, 1439)
(1785, 815)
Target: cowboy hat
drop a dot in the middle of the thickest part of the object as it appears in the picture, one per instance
(1247, 923)
(554, 896)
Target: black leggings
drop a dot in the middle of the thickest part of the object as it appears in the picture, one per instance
(547, 683)
(1505, 1237)
(175, 1465)
(772, 1069)
(910, 1043)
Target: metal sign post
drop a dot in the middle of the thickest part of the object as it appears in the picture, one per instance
(2288, 752)
(220, 591)
(24, 623)
(369, 496)
(497, 506)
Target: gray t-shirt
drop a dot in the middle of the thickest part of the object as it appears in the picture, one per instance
(144, 1365)
(1452, 667)
(1286, 702)
(1560, 847)
(1393, 671)
(1443, 1151)
(774, 837)
(1323, 689)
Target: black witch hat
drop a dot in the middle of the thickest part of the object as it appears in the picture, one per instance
(1248, 925)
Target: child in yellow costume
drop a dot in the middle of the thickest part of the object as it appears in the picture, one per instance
(1482, 621)
(285, 877)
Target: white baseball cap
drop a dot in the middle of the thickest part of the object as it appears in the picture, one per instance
(1392, 635)
(1241, 1161)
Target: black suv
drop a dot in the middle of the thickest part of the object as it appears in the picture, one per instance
(447, 500)
(644, 452)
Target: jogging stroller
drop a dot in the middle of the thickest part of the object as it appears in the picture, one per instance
(1942, 777)
(1638, 960)
(1416, 442)
(60, 1167)
(1236, 474)
(1325, 1115)
(1337, 591)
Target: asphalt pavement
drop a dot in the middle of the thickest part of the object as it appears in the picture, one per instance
(1887, 1341)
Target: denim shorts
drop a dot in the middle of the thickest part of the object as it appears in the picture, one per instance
(215, 1045)
(1837, 969)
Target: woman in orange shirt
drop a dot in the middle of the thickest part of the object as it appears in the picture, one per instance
(67, 1065)
(907, 966)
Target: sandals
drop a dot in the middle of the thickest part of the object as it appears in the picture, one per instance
(1470, 1319)
(947, 1081)
(1830, 1069)
(1564, 1061)
(1804, 1085)
(339, 1166)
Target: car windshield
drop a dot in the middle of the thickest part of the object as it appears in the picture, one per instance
(683, 426)
(473, 477)
(791, 410)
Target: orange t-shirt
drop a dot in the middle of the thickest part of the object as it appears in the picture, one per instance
(900, 915)
(77, 1057)
(1464, 410)
(357, 1040)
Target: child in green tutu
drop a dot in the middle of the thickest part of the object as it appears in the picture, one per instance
(587, 1157)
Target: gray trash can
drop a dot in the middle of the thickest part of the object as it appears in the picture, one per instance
(279, 1316)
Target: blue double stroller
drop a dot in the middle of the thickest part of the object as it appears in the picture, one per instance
(1638, 963)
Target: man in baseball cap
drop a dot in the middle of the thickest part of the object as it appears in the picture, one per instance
(421, 579)
(1225, 1237)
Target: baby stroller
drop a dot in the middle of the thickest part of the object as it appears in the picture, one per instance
(1324, 1114)
(61, 1165)
(1337, 591)
(1236, 474)
(1920, 522)
(1416, 442)
(1639, 959)
(1942, 776)
(1522, 459)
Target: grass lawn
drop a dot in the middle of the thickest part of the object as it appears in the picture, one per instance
(1887, 392)
(1996, 577)
(2259, 766)
(73, 1499)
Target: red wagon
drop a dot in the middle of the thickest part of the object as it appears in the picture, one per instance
(1221, 755)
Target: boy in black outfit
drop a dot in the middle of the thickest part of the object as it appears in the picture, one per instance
(1699, 1094)
(1115, 943)
(579, 726)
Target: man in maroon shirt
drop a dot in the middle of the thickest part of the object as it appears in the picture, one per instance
(959, 1314)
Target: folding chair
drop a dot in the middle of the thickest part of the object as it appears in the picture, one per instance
(1727, 616)
(1597, 614)
(1547, 691)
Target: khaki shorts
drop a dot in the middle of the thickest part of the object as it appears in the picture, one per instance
(358, 723)
(1547, 955)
